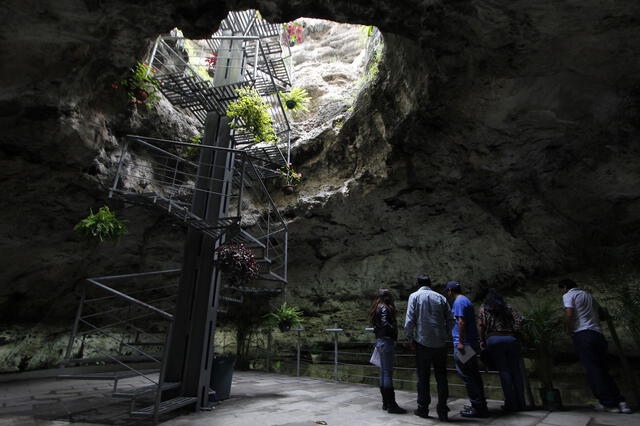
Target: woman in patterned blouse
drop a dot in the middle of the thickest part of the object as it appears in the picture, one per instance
(499, 325)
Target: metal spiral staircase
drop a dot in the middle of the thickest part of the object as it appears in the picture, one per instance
(161, 330)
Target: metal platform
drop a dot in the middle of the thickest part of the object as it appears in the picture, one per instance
(165, 406)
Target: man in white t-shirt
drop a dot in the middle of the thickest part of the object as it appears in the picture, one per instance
(582, 323)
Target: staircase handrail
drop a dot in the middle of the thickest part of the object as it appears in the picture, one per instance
(123, 296)
(143, 139)
(136, 275)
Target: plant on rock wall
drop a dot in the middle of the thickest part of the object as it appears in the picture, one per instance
(286, 316)
(296, 100)
(624, 296)
(211, 61)
(238, 262)
(192, 152)
(101, 226)
(294, 33)
(289, 178)
(141, 85)
(251, 114)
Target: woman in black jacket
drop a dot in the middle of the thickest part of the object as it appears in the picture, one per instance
(383, 318)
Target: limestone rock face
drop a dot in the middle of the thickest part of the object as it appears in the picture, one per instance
(499, 143)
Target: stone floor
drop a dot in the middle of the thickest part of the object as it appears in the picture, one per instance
(259, 399)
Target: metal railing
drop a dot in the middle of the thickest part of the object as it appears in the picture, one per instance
(348, 361)
(114, 328)
(166, 175)
(203, 75)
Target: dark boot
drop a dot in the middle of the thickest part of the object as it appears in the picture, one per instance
(384, 399)
(422, 411)
(392, 406)
(443, 413)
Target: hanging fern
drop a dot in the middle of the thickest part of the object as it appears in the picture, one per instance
(103, 226)
(297, 100)
(251, 114)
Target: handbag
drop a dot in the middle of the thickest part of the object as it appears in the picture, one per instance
(375, 357)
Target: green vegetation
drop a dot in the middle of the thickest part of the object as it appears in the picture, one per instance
(141, 86)
(296, 100)
(625, 300)
(543, 325)
(294, 32)
(192, 152)
(102, 226)
(251, 114)
(373, 67)
(289, 176)
(286, 316)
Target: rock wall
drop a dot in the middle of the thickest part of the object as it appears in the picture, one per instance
(497, 145)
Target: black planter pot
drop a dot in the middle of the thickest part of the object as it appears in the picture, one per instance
(221, 377)
(284, 326)
(551, 399)
(141, 94)
(288, 189)
(291, 104)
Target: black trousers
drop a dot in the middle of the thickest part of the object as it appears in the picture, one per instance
(425, 357)
(591, 347)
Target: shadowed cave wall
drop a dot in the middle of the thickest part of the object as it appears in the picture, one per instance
(498, 145)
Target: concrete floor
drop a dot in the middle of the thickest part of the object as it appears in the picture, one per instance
(260, 399)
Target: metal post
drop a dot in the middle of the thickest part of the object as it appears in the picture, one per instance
(335, 332)
(153, 55)
(241, 190)
(115, 181)
(527, 384)
(255, 61)
(269, 351)
(163, 367)
(628, 372)
(298, 330)
(76, 322)
(268, 239)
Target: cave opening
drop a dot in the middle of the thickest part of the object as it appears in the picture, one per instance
(495, 152)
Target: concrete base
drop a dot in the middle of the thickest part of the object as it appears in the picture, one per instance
(259, 399)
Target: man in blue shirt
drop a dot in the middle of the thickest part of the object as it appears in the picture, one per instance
(465, 338)
(427, 326)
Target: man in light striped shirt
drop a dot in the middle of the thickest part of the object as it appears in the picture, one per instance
(427, 326)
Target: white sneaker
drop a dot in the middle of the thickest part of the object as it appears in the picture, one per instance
(620, 408)
(624, 408)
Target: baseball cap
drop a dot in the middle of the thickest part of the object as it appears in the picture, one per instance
(453, 285)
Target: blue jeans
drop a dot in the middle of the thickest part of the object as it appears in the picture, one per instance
(425, 356)
(470, 375)
(387, 348)
(591, 348)
(506, 355)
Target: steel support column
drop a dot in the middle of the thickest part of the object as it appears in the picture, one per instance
(191, 350)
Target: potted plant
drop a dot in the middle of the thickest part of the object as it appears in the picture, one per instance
(296, 100)
(294, 33)
(251, 114)
(316, 353)
(289, 177)
(211, 62)
(101, 226)
(141, 86)
(286, 316)
(238, 262)
(543, 324)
